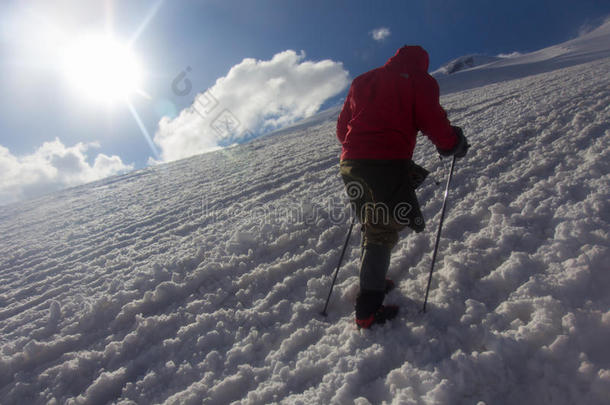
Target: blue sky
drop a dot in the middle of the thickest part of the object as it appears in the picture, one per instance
(331, 40)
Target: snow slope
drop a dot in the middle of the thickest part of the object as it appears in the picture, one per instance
(201, 281)
(588, 47)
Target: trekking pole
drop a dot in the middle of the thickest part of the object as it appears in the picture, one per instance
(323, 313)
(438, 234)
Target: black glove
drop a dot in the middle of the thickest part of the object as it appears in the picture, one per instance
(460, 149)
(462, 146)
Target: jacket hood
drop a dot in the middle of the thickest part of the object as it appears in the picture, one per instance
(408, 59)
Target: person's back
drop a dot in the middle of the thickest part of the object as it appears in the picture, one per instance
(377, 128)
(386, 107)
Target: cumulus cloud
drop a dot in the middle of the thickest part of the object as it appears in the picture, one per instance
(254, 97)
(379, 34)
(52, 167)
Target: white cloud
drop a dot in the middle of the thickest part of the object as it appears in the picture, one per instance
(52, 167)
(254, 97)
(379, 34)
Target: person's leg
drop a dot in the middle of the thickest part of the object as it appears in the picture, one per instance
(374, 267)
(378, 241)
(368, 188)
(377, 249)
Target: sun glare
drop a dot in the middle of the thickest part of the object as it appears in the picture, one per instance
(102, 69)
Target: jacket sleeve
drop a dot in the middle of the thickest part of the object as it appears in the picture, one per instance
(344, 117)
(430, 117)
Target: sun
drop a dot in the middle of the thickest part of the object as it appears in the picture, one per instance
(101, 68)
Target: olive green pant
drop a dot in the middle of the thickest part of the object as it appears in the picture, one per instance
(382, 193)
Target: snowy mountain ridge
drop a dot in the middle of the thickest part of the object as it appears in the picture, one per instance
(200, 281)
(588, 47)
(464, 63)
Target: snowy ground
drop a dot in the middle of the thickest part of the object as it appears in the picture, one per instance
(201, 281)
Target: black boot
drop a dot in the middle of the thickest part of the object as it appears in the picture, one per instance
(369, 309)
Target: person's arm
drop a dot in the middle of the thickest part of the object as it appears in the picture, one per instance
(344, 117)
(430, 117)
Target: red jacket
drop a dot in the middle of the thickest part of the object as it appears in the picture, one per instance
(387, 106)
